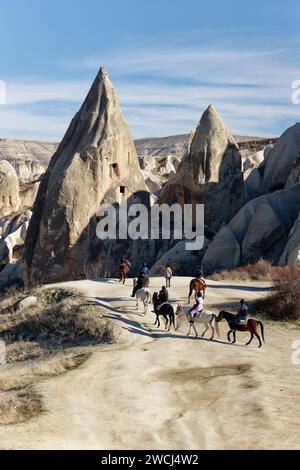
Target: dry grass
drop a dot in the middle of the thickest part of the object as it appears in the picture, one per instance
(260, 271)
(43, 341)
(284, 301)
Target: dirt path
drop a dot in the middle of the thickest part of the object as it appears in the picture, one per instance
(167, 391)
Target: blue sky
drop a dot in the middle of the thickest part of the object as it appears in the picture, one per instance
(167, 59)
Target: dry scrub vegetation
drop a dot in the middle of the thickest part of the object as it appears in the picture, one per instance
(44, 340)
(283, 303)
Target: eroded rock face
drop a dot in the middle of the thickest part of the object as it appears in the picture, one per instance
(96, 162)
(282, 160)
(291, 254)
(261, 230)
(210, 174)
(9, 189)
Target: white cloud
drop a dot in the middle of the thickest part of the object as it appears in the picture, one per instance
(165, 91)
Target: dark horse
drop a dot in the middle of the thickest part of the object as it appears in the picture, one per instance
(251, 326)
(123, 270)
(198, 286)
(165, 309)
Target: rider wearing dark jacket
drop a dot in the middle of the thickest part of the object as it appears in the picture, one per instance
(163, 295)
(141, 282)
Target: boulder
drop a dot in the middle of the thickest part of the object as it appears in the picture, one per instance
(183, 262)
(223, 253)
(291, 254)
(265, 237)
(95, 163)
(282, 159)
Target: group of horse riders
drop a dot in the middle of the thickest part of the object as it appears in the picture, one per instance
(143, 281)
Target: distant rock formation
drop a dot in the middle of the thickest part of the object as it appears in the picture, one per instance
(210, 174)
(291, 254)
(29, 158)
(96, 162)
(9, 189)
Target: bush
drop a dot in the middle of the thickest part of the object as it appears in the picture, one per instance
(284, 301)
(260, 271)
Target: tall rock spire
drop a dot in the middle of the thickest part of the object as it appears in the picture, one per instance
(210, 174)
(96, 162)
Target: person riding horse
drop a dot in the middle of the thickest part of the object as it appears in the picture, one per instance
(242, 316)
(198, 307)
(200, 275)
(142, 281)
(162, 297)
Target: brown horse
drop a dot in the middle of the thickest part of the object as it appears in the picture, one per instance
(196, 285)
(123, 270)
(251, 326)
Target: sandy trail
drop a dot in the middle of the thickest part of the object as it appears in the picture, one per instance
(160, 390)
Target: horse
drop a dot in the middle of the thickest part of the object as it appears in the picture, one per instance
(208, 318)
(144, 295)
(251, 326)
(198, 285)
(123, 270)
(165, 309)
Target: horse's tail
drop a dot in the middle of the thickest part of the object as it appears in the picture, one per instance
(172, 317)
(191, 290)
(149, 297)
(216, 325)
(261, 329)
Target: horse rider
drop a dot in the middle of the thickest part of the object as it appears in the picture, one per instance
(163, 295)
(141, 282)
(125, 260)
(145, 269)
(198, 307)
(243, 315)
(200, 275)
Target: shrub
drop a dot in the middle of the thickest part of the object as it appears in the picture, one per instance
(260, 271)
(284, 301)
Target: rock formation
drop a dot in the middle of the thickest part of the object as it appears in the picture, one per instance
(259, 230)
(29, 158)
(96, 162)
(9, 189)
(291, 254)
(210, 174)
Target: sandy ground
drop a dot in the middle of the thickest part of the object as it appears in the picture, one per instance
(159, 390)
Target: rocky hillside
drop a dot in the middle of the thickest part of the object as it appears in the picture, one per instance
(31, 158)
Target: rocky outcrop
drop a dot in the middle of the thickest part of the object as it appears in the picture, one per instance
(29, 158)
(282, 159)
(96, 162)
(223, 253)
(291, 254)
(210, 174)
(9, 189)
(260, 228)
(183, 262)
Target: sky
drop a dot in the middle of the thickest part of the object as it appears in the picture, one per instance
(168, 60)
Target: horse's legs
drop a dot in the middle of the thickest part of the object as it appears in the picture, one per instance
(228, 335)
(258, 337)
(206, 328)
(158, 321)
(251, 338)
(234, 337)
(212, 327)
(196, 333)
(189, 332)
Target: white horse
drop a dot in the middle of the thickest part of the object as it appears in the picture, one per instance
(208, 318)
(144, 295)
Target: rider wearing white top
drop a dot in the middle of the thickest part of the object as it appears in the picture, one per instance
(198, 307)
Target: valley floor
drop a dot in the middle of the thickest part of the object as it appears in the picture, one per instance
(159, 390)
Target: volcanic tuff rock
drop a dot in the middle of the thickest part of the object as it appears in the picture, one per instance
(260, 229)
(210, 174)
(96, 162)
(29, 158)
(291, 254)
(9, 189)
